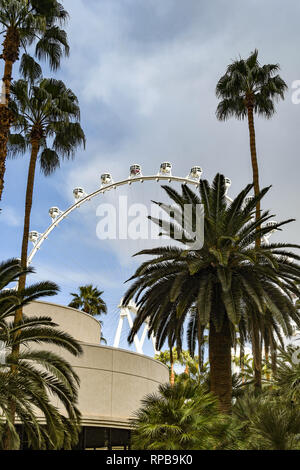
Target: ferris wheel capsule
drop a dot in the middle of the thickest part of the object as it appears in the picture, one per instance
(270, 224)
(78, 193)
(106, 179)
(33, 236)
(135, 171)
(248, 199)
(165, 169)
(227, 183)
(54, 212)
(195, 173)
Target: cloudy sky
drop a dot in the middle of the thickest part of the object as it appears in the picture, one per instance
(145, 73)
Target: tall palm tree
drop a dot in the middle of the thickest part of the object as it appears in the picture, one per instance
(245, 89)
(47, 125)
(216, 278)
(29, 378)
(24, 23)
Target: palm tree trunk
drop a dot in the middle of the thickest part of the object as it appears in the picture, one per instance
(268, 375)
(257, 353)
(200, 346)
(172, 374)
(242, 361)
(220, 364)
(256, 349)
(35, 146)
(22, 280)
(254, 159)
(274, 361)
(11, 47)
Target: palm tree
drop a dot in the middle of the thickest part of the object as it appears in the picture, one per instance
(287, 375)
(216, 278)
(178, 417)
(245, 89)
(89, 300)
(24, 23)
(28, 379)
(169, 358)
(266, 422)
(47, 125)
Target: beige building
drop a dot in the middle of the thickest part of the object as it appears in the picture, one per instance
(112, 381)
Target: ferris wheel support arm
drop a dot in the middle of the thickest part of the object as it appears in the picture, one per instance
(87, 198)
(118, 332)
(143, 337)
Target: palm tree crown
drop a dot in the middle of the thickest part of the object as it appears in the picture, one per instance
(28, 22)
(89, 300)
(220, 280)
(24, 23)
(47, 112)
(247, 83)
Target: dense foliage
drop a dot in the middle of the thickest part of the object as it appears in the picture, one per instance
(31, 379)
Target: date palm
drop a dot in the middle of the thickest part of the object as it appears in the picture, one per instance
(29, 378)
(248, 88)
(216, 278)
(27, 23)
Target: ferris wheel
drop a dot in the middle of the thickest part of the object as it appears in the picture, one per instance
(107, 183)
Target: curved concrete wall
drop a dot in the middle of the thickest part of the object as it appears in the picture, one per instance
(112, 381)
(80, 325)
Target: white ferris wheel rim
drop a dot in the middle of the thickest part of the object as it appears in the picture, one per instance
(114, 185)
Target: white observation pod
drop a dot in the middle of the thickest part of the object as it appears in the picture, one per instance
(33, 236)
(106, 179)
(135, 171)
(54, 212)
(248, 199)
(78, 193)
(227, 183)
(165, 169)
(270, 224)
(195, 173)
